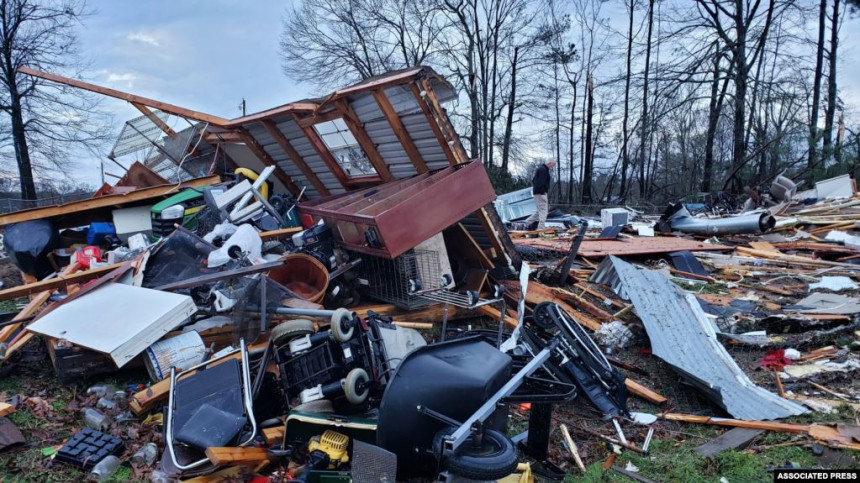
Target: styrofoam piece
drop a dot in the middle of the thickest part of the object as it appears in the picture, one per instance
(117, 319)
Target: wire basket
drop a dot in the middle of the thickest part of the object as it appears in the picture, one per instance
(396, 281)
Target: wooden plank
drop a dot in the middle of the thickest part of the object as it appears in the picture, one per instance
(577, 301)
(109, 201)
(763, 245)
(643, 392)
(280, 234)
(322, 150)
(495, 314)
(263, 156)
(350, 118)
(155, 119)
(434, 124)
(275, 434)
(223, 456)
(445, 123)
(627, 246)
(400, 130)
(106, 91)
(538, 293)
(233, 473)
(737, 423)
(60, 281)
(460, 242)
(294, 155)
(6, 409)
(731, 439)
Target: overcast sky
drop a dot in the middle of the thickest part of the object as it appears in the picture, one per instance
(208, 55)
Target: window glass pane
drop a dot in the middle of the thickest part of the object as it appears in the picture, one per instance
(343, 146)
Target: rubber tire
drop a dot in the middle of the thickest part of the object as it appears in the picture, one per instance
(291, 329)
(350, 384)
(498, 459)
(338, 332)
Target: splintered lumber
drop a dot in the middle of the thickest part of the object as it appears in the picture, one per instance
(643, 392)
(223, 456)
(839, 436)
(275, 434)
(578, 301)
(61, 281)
(538, 293)
(571, 446)
(628, 246)
(6, 409)
(431, 314)
(414, 325)
(233, 473)
(279, 234)
(495, 314)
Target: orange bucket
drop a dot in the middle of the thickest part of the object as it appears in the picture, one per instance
(304, 275)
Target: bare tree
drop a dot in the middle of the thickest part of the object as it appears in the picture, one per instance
(47, 122)
(816, 85)
(831, 82)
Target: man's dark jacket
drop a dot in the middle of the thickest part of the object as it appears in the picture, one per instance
(540, 183)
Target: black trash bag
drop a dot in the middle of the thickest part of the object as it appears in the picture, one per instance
(28, 244)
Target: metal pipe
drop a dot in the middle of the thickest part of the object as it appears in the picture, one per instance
(682, 221)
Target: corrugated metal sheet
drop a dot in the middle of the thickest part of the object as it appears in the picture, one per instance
(681, 335)
(378, 129)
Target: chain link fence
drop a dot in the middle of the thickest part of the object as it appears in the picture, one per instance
(8, 205)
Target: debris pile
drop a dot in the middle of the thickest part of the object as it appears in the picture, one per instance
(278, 325)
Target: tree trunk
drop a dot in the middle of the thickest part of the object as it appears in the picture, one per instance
(643, 137)
(509, 123)
(739, 148)
(22, 153)
(816, 86)
(589, 152)
(557, 131)
(625, 157)
(831, 83)
(713, 118)
(570, 149)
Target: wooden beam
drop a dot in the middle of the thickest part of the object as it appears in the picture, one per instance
(155, 119)
(263, 156)
(350, 118)
(434, 125)
(318, 118)
(6, 409)
(222, 137)
(60, 281)
(280, 234)
(294, 155)
(162, 106)
(444, 122)
(321, 149)
(400, 131)
(274, 435)
(643, 392)
(236, 456)
(103, 201)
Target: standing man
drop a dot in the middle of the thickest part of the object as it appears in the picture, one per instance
(540, 188)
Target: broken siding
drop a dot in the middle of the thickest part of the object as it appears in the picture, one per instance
(682, 335)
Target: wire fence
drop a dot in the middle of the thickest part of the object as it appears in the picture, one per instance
(8, 205)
